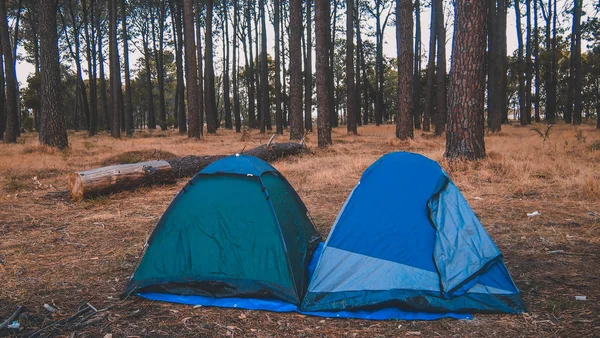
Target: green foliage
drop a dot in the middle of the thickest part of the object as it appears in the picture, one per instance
(545, 135)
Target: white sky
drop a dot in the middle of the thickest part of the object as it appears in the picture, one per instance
(24, 69)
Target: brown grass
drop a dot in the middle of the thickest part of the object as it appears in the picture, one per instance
(57, 252)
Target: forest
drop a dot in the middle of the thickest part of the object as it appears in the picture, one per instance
(126, 65)
(116, 113)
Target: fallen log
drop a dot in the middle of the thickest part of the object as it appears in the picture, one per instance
(114, 178)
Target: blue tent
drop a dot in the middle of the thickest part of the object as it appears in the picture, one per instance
(407, 238)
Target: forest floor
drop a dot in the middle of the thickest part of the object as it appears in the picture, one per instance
(54, 251)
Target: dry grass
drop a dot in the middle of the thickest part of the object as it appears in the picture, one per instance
(55, 251)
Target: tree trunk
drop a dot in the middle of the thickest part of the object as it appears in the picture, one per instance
(441, 97)
(528, 66)
(276, 27)
(322, 55)
(350, 86)
(264, 71)
(201, 79)
(53, 131)
(330, 77)
(128, 107)
(226, 84)
(115, 70)
(429, 98)
(116, 178)
(417, 68)
(536, 58)
(3, 96)
(209, 72)
(378, 66)
(493, 68)
(520, 68)
(103, 90)
(251, 76)
(236, 86)
(503, 65)
(191, 75)
(12, 110)
(404, 33)
(178, 38)
(308, 74)
(296, 123)
(358, 86)
(576, 55)
(464, 138)
(90, 56)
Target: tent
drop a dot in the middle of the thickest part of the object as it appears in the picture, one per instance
(407, 238)
(406, 245)
(237, 229)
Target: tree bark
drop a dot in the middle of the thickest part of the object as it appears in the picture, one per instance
(128, 107)
(528, 66)
(151, 121)
(278, 99)
(439, 118)
(264, 70)
(296, 123)
(334, 117)
(494, 60)
(464, 138)
(417, 68)
(88, 21)
(520, 68)
(53, 131)
(236, 86)
(103, 89)
(209, 72)
(404, 33)
(111, 179)
(251, 74)
(178, 38)
(191, 75)
(350, 86)
(115, 71)
(429, 93)
(3, 96)
(226, 59)
(201, 78)
(358, 85)
(12, 109)
(322, 56)
(308, 73)
(576, 55)
(536, 64)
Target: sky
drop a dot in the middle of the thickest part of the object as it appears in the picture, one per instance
(24, 69)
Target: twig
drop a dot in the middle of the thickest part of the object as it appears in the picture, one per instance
(12, 317)
(303, 138)
(271, 140)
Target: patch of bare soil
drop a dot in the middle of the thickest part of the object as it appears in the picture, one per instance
(75, 256)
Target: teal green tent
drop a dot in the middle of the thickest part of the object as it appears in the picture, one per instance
(237, 229)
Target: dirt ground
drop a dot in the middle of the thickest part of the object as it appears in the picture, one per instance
(54, 251)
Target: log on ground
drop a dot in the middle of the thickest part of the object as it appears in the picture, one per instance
(111, 179)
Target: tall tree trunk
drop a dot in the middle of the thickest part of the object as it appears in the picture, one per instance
(201, 79)
(115, 70)
(264, 71)
(3, 96)
(429, 93)
(178, 38)
(576, 56)
(441, 97)
(520, 67)
(128, 107)
(417, 68)
(251, 76)
(503, 64)
(107, 116)
(151, 121)
(12, 114)
(53, 131)
(88, 20)
(536, 65)
(464, 138)
(331, 78)
(405, 57)
(226, 59)
(378, 66)
(550, 109)
(358, 85)
(209, 72)
(350, 86)
(285, 96)
(308, 74)
(236, 86)
(276, 26)
(493, 66)
(553, 75)
(323, 37)
(158, 59)
(296, 124)
(191, 74)
(528, 66)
